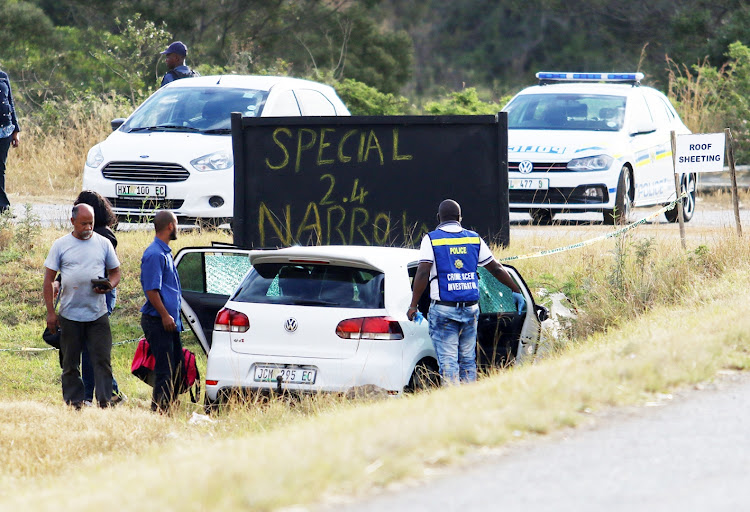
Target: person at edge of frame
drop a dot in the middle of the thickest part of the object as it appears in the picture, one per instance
(9, 133)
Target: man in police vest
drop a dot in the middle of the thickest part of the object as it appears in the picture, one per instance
(448, 261)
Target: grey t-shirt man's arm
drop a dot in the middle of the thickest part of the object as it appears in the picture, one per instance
(80, 261)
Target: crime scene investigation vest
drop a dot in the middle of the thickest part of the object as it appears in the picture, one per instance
(456, 260)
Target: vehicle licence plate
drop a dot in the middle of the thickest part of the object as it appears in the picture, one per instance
(294, 375)
(529, 183)
(141, 190)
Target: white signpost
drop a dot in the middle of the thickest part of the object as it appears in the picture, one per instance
(699, 152)
(703, 152)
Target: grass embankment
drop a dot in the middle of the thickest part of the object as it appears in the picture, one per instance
(344, 448)
(661, 318)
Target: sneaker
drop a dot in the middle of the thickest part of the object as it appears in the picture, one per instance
(118, 398)
(88, 403)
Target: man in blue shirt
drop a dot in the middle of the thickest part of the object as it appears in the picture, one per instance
(448, 261)
(160, 317)
(174, 56)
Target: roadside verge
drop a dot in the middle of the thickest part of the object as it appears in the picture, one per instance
(366, 445)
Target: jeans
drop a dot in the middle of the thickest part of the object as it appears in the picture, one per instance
(4, 147)
(168, 361)
(87, 369)
(97, 337)
(454, 334)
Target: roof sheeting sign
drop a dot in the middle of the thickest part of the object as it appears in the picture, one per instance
(700, 152)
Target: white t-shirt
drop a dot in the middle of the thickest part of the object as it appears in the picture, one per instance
(80, 261)
(427, 255)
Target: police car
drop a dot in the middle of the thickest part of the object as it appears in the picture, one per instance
(593, 142)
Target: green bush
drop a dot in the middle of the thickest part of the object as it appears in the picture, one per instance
(363, 100)
(464, 102)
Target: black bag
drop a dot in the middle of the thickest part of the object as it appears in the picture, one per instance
(52, 339)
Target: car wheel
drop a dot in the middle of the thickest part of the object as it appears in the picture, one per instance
(623, 200)
(425, 376)
(687, 184)
(541, 217)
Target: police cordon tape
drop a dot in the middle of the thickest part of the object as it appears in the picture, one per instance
(45, 349)
(592, 241)
(502, 260)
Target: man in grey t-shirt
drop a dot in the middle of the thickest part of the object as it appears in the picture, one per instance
(80, 257)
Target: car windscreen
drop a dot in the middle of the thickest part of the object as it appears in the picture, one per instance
(199, 109)
(566, 112)
(312, 285)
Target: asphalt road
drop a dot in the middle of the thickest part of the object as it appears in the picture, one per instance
(690, 452)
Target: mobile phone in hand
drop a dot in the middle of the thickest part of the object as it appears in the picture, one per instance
(101, 283)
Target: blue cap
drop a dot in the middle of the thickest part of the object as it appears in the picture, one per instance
(177, 47)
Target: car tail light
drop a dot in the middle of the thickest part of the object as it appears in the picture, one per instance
(370, 328)
(211, 382)
(231, 320)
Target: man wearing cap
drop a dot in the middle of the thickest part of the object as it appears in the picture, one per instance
(174, 56)
(448, 261)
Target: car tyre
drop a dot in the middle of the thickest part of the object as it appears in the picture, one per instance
(623, 200)
(541, 217)
(426, 375)
(687, 184)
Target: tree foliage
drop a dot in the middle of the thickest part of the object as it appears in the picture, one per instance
(464, 102)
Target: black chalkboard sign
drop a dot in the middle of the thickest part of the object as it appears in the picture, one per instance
(366, 180)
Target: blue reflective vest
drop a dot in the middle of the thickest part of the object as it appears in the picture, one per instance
(456, 260)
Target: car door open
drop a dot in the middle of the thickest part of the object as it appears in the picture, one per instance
(208, 275)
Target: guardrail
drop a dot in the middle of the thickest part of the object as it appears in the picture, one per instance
(721, 181)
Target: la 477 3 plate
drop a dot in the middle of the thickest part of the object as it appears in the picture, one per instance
(141, 190)
(528, 183)
(289, 374)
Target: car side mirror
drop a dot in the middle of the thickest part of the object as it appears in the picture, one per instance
(642, 127)
(542, 313)
(116, 123)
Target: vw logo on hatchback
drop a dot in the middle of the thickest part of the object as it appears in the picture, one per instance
(525, 167)
(290, 325)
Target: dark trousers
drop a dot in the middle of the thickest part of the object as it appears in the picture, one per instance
(4, 146)
(97, 338)
(166, 348)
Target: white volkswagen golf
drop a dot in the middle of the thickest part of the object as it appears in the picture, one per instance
(175, 151)
(597, 142)
(330, 318)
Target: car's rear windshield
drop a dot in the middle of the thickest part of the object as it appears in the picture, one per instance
(566, 112)
(312, 285)
(195, 109)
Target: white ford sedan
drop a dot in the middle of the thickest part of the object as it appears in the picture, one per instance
(175, 151)
(330, 318)
(583, 142)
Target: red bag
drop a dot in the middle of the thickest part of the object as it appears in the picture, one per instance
(143, 368)
(143, 363)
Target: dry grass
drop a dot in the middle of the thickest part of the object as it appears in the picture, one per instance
(351, 448)
(669, 318)
(49, 160)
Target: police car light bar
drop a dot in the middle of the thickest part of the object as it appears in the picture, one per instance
(546, 76)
